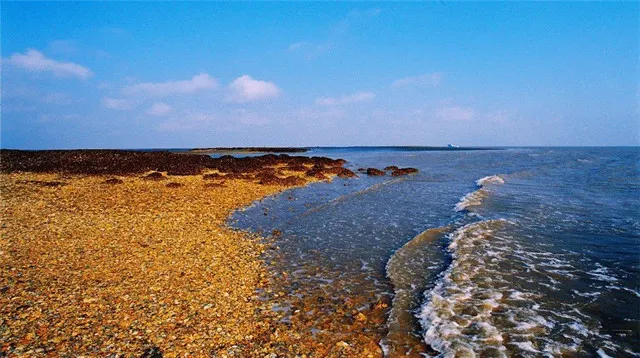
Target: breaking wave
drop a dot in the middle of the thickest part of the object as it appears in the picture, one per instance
(475, 198)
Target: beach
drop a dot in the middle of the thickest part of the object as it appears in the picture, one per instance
(96, 264)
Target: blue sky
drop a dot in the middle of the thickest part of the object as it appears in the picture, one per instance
(189, 74)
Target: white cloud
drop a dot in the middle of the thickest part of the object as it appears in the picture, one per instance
(428, 79)
(352, 98)
(159, 109)
(455, 113)
(34, 61)
(197, 83)
(246, 89)
(117, 104)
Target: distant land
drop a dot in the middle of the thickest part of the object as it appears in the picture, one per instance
(247, 150)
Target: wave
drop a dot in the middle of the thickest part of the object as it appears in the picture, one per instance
(475, 198)
(491, 301)
(411, 269)
(448, 315)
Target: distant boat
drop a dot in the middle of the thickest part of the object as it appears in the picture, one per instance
(453, 146)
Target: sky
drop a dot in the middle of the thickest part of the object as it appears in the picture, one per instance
(205, 74)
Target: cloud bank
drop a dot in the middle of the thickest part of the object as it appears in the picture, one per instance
(352, 98)
(197, 83)
(34, 61)
(117, 104)
(432, 79)
(159, 109)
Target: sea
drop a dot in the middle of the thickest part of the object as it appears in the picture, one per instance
(494, 252)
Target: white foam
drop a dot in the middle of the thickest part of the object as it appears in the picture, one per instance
(602, 354)
(475, 198)
(472, 199)
(492, 179)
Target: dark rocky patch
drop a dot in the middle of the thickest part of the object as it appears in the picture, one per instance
(316, 173)
(391, 167)
(121, 162)
(153, 352)
(271, 179)
(361, 170)
(113, 181)
(174, 185)
(296, 168)
(404, 171)
(375, 172)
(346, 173)
(155, 176)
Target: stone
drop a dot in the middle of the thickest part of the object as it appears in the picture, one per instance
(375, 172)
(403, 171)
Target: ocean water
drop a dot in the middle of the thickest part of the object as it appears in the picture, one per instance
(510, 252)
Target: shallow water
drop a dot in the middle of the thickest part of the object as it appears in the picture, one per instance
(542, 256)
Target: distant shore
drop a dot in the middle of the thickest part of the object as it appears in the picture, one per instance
(229, 150)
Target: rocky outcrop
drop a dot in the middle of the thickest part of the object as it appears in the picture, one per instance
(375, 172)
(404, 171)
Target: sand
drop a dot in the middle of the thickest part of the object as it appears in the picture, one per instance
(88, 268)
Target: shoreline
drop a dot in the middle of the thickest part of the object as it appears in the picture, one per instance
(110, 259)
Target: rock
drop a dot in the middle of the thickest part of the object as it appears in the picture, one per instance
(155, 176)
(362, 170)
(271, 179)
(346, 173)
(404, 171)
(391, 167)
(184, 171)
(113, 181)
(174, 185)
(316, 173)
(276, 233)
(361, 317)
(375, 172)
(342, 344)
(153, 352)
